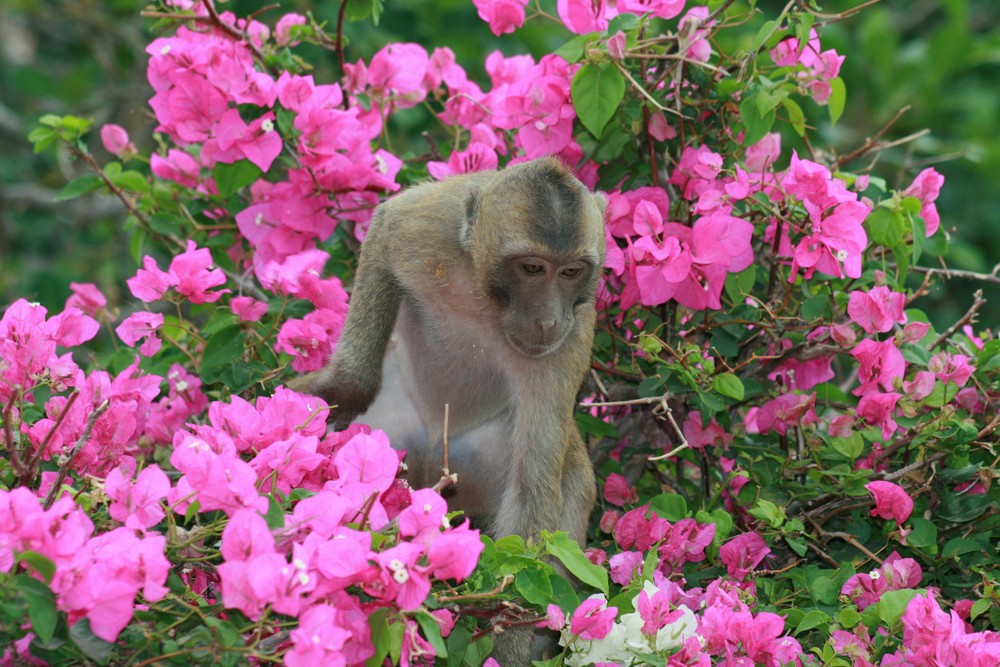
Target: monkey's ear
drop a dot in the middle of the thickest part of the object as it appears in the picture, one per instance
(468, 224)
(601, 201)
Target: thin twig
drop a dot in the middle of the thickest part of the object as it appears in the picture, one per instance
(447, 476)
(64, 467)
(37, 454)
(235, 33)
(614, 404)
(12, 453)
(872, 143)
(507, 580)
(340, 36)
(991, 277)
(977, 302)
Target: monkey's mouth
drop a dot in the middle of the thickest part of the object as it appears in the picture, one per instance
(534, 349)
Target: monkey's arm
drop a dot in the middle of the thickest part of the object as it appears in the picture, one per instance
(351, 379)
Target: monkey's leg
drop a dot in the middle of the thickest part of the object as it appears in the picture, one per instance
(579, 490)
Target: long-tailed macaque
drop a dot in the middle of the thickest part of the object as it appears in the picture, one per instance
(478, 292)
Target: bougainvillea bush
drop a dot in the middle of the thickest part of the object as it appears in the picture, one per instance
(796, 466)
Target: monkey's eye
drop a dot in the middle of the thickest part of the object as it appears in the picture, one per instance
(572, 272)
(532, 268)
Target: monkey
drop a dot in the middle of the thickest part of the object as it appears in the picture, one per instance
(477, 292)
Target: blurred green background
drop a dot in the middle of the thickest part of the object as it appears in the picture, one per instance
(86, 57)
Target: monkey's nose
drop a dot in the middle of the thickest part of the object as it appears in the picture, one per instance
(546, 326)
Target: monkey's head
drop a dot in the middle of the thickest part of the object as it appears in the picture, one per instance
(536, 236)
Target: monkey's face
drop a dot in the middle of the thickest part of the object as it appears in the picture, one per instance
(538, 297)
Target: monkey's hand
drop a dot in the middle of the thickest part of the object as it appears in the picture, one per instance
(347, 397)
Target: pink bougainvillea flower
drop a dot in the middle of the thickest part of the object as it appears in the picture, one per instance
(699, 436)
(143, 326)
(593, 618)
(877, 310)
(177, 166)
(665, 9)
(624, 566)
(554, 619)
(878, 409)
(454, 553)
(283, 29)
(635, 530)
(926, 187)
(194, 274)
(583, 16)
(137, 503)
(880, 365)
(896, 573)
(116, 141)
(891, 501)
(617, 491)
(427, 511)
(743, 553)
(247, 308)
(503, 15)
(948, 367)
(781, 413)
(149, 283)
(88, 299)
(477, 157)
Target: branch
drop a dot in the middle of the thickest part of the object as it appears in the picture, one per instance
(340, 35)
(447, 477)
(872, 144)
(15, 457)
(64, 468)
(659, 411)
(990, 277)
(970, 315)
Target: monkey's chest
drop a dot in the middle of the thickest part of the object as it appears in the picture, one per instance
(421, 375)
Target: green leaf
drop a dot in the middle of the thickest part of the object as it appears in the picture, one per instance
(573, 50)
(80, 186)
(923, 535)
(597, 91)
(885, 226)
(795, 115)
(850, 446)
(623, 22)
(892, 604)
(230, 178)
(38, 563)
(755, 123)
(91, 645)
(432, 633)
(669, 506)
(132, 181)
(275, 517)
(165, 225)
(838, 98)
(592, 425)
(569, 554)
(222, 350)
(979, 607)
(848, 617)
(812, 620)
(764, 34)
(534, 586)
(919, 229)
(797, 545)
(769, 512)
(41, 606)
(729, 385)
(380, 638)
(722, 519)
